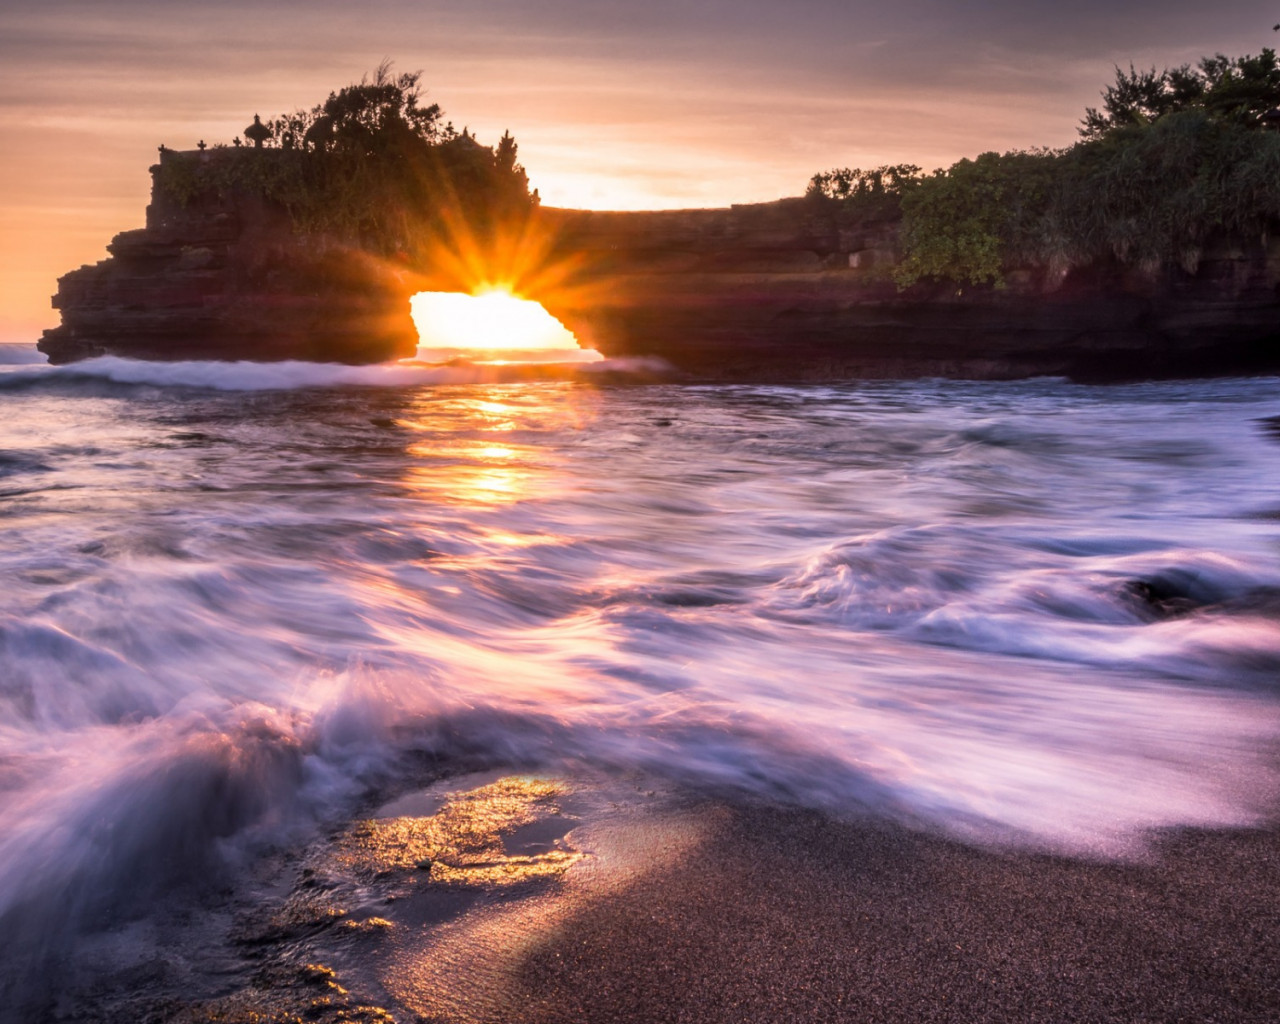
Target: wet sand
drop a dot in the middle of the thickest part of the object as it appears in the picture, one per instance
(542, 903)
(787, 916)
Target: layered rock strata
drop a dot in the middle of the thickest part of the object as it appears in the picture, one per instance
(224, 276)
(784, 291)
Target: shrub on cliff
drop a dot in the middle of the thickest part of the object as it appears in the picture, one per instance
(372, 165)
(865, 196)
(1148, 196)
(968, 222)
(1157, 194)
(1172, 161)
(382, 117)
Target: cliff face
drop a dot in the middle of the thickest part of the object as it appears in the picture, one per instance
(224, 277)
(784, 291)
(776, 291)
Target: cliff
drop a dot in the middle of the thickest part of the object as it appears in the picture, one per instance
(777, 291)
(223, 276)
(786, 291)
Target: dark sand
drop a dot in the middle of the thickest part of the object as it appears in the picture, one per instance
(689, 910)
(786, 916)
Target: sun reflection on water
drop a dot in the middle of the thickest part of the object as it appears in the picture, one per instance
(458, 460)
(469, 841)
(467, 472)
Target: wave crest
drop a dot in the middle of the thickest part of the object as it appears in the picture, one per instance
(290, 375)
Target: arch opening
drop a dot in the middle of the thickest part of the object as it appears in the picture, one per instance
(492, 326)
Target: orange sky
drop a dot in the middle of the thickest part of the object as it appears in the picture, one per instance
(614, 105)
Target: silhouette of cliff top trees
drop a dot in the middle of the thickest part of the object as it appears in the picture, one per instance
(869, 196)
(1240, 90)
(1172, 162)
(372, 165)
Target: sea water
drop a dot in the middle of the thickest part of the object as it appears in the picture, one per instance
(241, 601)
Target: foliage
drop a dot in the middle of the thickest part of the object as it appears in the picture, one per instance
(1173, 160)
(966, 222)
(1152, 196)
(370, 118)
(1238, 90)
(372, 165)
(1157, 195)
(866, 195)
(178, 179)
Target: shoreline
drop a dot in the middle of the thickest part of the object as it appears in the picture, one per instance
(641, 370)
(701, 910)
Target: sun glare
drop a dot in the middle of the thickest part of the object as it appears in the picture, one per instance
(493, 326)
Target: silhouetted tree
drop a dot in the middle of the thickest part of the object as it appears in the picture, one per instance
(1236, 89)
(1172, 163)
(376, 165)
(867, 195)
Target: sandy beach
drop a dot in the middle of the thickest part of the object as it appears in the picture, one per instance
(672, 908)
(790, 916)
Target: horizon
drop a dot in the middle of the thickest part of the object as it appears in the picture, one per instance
(620, 109)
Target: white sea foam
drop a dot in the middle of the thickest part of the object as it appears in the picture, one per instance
(1015, 611)
(13, 354)
(294, 374)
(429, 354)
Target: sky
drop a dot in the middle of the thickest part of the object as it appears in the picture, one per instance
(642, 104)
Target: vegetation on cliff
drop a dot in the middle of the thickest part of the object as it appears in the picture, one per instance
(372, 165)
(868, 196)
(1171, 161)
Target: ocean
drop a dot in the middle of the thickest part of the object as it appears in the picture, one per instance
(243, 605)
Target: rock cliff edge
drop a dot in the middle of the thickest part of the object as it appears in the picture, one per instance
(777, 291)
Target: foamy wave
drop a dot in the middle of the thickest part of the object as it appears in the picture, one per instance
(249, 376)
(20, 355)
(295, 374)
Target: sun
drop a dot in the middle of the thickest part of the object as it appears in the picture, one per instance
(489, 325)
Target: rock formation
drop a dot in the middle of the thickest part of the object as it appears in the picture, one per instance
(224, 277)
(785, 291)
(774, 291)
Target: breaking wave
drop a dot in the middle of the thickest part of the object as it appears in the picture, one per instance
(294, 374)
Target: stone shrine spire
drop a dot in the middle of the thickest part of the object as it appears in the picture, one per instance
(257, 132)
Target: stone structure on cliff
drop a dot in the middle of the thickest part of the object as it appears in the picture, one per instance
(776, 291)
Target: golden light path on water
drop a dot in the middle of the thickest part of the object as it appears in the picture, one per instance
(492, 326)
(486, 466)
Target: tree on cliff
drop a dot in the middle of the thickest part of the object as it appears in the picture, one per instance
(1174, 162)
(374, 165)
(866, 195)
(1239, 90)
(969, 221)
(369, 118)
